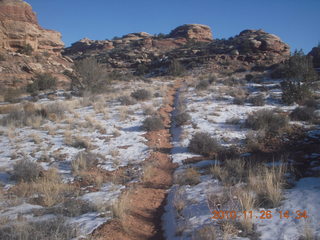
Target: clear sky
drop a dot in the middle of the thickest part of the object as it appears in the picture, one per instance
(297, 22)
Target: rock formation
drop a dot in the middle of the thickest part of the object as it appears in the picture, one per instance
(195, 32)
(192, 44)
(19, 27)
(26, 48)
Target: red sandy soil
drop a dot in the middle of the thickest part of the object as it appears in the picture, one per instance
(142, 219)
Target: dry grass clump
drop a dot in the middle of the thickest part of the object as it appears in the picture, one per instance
(52, 229)
(202, 143)
(121, 206)
(231, 172)
(206, 232)
(247, 200)
(78, 142)
(153, 123)
(189, 176)
(203, 85)
(308, 233)
(267, 183)
(148, 110)
(127, 100)
(229, 229)
(83, 162)
(46, 190)
(35, 138)
(31, 114)
(179, 201)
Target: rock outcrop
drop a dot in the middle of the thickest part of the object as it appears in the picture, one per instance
(191, 44)
(19, 27)
(26, 48)
(197, 32)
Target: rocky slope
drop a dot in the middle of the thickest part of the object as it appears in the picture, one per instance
(191, 44)
(25, 47)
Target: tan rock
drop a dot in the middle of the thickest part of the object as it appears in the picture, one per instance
(196, 32)
(19, 27)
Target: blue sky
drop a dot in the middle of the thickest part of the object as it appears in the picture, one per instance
(295, 21)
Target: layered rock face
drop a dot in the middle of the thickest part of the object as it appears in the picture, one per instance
(19, 27)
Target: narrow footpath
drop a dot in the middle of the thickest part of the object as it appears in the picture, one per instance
(144, 203)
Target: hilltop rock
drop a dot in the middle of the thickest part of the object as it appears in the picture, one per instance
(315, 53)
(143, 53)
(195, 32)
(259, 40)
(19, 27)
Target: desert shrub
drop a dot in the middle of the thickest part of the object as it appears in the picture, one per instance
(42, 81)
(182, 118)
(26, 49)
(142, 69)
(52, 229)
(259, 68)
(249, 77)
(203, 85)
(239, 100)
(189, 176)
(149, 110)
(302, 114)
(294, 91)
(206, 232)
(2, 58)
(91, 76)
(26, 171)
(12, 94)
(47, 190)
(233, 121)
(75, 207)
(176, 68)
(254, 141)
(141, 94)
(298, 74)
(257, 100)
(83, 161)
(266, 120)
(57, 108)
(152, 123)
(202, 143)
(311, 102)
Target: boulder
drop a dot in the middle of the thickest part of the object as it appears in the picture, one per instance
(195, 32)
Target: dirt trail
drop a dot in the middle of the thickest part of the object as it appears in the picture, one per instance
(142, 219)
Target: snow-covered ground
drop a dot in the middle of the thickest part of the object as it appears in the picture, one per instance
(187, 210)
(108, 129)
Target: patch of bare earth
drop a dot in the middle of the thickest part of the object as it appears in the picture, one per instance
(142, 216)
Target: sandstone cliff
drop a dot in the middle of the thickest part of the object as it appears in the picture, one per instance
(26, 48)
